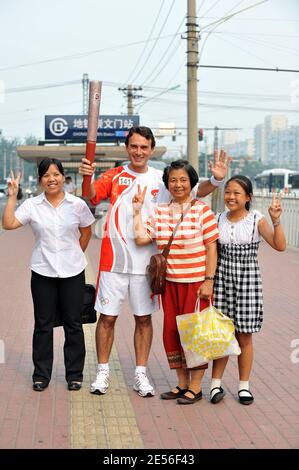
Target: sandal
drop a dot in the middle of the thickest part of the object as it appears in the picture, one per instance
(218, 396)
(245, 400)
(188, 401)
(173, 395)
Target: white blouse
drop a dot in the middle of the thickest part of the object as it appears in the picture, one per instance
(57, 251)
(239, 232)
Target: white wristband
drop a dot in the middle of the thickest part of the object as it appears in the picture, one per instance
(215, 182)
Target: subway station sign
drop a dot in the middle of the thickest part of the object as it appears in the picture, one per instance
(111, 128)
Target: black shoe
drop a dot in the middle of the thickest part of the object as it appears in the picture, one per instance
(245, 400)
(173, 395)
(218, 396)
(39, 386)
(74, 386)
(188, 401)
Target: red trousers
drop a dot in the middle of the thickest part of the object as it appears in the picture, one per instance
(179, 298)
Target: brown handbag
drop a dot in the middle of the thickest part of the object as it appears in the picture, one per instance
(156, 269)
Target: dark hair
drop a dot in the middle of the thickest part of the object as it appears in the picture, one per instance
(144, 132)
(246, 184)
(178, 165)
(44, 166)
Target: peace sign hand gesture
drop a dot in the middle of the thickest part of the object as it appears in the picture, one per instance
(221, 164)
(275, 209)
(138, 199)
(13, 184)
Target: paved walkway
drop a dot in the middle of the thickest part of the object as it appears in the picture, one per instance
(58, 419)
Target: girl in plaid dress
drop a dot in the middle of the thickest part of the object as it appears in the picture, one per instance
(238, 286)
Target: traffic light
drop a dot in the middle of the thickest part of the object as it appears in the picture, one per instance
(200, 134)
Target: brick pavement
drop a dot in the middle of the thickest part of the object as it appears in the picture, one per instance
(121, 419)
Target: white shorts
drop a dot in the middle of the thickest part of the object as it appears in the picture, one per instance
(114, 288)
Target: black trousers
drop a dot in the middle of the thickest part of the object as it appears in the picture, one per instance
(46, 293)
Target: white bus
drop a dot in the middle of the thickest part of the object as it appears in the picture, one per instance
(278, 179)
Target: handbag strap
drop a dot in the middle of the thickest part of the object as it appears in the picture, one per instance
(166, 250)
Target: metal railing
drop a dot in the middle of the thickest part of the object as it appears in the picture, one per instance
(289, 218)
(262, 202)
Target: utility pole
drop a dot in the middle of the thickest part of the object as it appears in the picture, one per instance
(4, 165)
(216, 129)
(10, 162)
(85, 86)
(129, 93)
(192, 65)
(206, 156)
(217, 204)
(216, 138)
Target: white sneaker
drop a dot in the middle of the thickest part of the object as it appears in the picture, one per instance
(142, 385)
(101, 383)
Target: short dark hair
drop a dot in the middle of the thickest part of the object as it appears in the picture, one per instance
(44, 166)
(246, 184)
(144, 131)
(178, 165)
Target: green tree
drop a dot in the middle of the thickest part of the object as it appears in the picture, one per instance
(29, 168)
(10, 160)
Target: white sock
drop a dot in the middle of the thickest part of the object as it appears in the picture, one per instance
(244, 385)
(215, 383)
(104, 366)
(140, 369)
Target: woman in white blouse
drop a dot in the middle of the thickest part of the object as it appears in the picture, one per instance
(61, 224)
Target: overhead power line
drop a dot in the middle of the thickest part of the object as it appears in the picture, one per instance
(42, 86)
(227, 106)
(282, 20)
(230, 95)
(146, 43)
(222, 20)
(155, 43)
(80, 55)
(276, 69)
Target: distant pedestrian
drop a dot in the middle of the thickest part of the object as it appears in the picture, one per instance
(69, 186)
(238, 285)
(61, 224)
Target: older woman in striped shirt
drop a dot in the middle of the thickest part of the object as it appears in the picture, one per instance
(191, 265)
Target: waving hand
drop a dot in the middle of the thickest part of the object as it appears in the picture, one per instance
(220, 166)
(275, 208)
(13, 184)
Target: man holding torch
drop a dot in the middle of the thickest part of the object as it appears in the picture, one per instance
(122, 263)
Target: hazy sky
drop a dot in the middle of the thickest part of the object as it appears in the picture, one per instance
(140, 42)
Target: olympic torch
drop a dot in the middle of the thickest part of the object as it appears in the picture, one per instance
(95, 88)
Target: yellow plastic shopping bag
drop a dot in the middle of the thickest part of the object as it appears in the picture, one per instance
(206, 335)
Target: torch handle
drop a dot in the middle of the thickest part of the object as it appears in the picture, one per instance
(95, 89)
(89, 154)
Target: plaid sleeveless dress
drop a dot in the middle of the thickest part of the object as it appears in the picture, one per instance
(238, 285)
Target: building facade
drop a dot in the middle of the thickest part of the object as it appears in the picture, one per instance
(277, 144)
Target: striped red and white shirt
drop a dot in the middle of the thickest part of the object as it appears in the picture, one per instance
(186, 261)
